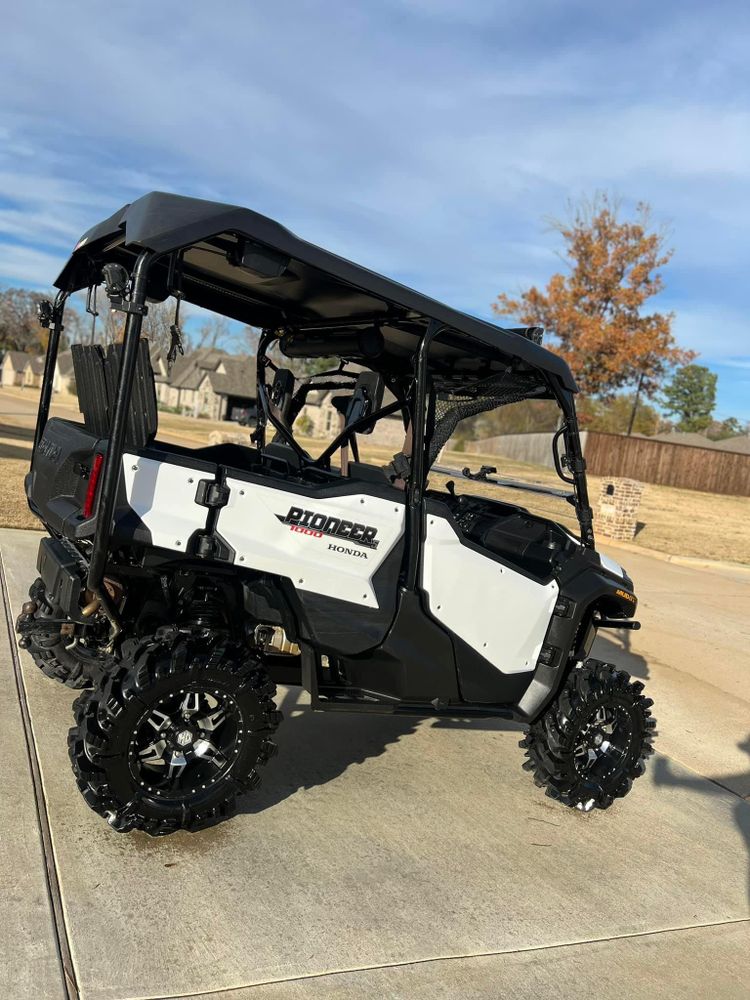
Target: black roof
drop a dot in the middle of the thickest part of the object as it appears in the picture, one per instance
(284, 282)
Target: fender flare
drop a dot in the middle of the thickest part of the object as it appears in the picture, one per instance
(567, 631)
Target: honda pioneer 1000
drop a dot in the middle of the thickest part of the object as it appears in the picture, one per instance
(181, 585)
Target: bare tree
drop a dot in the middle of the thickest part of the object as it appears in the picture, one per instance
(158, 323)
(251, 336)
(214, 332)
(108, 326)
(19, 321)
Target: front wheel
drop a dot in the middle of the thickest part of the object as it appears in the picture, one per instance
(171, 738)
(593, 740)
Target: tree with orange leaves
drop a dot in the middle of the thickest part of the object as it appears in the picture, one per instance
(595, 311)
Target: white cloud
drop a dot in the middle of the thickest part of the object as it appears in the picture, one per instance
(27, 266)
(424, 139)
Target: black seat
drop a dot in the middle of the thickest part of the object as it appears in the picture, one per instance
(282, 457)
(96, 374)
(368, 473)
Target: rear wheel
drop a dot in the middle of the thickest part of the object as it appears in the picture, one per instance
(171, 738)
(593, 740)
(68, 660)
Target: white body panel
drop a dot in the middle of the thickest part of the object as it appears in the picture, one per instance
(610, 564)
(163, 496)
(252, 524)
(497, 611)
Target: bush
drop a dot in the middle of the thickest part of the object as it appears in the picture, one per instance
(304, 426)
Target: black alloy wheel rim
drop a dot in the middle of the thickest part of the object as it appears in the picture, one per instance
(186, 742)
(602, 747)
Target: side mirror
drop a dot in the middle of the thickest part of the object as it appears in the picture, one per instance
(115, 280)
(282, 391)
(44, 311)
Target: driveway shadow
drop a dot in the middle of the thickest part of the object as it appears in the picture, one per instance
(13, 451)
(613, 645)
(15, 432)
(317, 747)
(664, 775)
(15, 442)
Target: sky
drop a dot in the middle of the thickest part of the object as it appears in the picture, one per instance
(428, 140)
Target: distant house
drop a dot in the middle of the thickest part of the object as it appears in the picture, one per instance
(740, 443)
(319, 418)
(209, 383)
(230, 390)
(64, 379)
(160, 368)
(34, 372)
(14, 368)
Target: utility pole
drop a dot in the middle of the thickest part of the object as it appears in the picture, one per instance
(635, 404)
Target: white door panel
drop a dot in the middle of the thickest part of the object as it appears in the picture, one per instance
(497, 611)
(327, 545)
(163, 496)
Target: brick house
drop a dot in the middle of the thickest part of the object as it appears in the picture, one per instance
(209, 383)
(320, 419)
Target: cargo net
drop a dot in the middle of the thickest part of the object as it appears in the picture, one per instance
(455, 404)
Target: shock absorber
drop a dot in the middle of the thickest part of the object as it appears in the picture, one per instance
(206, 609)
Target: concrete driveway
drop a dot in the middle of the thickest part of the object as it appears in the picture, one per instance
(396, 858)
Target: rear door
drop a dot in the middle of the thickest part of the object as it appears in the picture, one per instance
(329, 542)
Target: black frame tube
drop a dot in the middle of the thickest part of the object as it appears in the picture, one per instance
(357, 427)
(50, 361)
(577, 466)
(419, 417)
(261, 363)
(113, 457)
(265, 416)
(415, 486)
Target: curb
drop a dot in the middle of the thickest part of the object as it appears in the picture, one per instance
(693, 562)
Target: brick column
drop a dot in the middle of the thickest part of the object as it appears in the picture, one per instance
(617, 514)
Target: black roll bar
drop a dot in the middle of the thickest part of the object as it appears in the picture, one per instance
(53, 344)
(576, 463)
(113, 458)
(415, 486)
(354, 428)
(265, 414)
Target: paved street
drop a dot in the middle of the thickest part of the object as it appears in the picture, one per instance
(388, 857)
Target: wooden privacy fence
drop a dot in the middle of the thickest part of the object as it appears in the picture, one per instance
(686, 466)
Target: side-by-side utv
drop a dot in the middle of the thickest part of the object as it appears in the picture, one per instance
(179, 586)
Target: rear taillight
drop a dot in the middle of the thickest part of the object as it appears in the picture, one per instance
(96, 468)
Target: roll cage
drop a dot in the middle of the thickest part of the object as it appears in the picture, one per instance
(439, 364)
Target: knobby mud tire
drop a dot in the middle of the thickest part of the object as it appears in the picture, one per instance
(554, 740)
(72, 664)
(100, 743)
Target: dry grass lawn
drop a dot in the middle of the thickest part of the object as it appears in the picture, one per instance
(678, 522)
